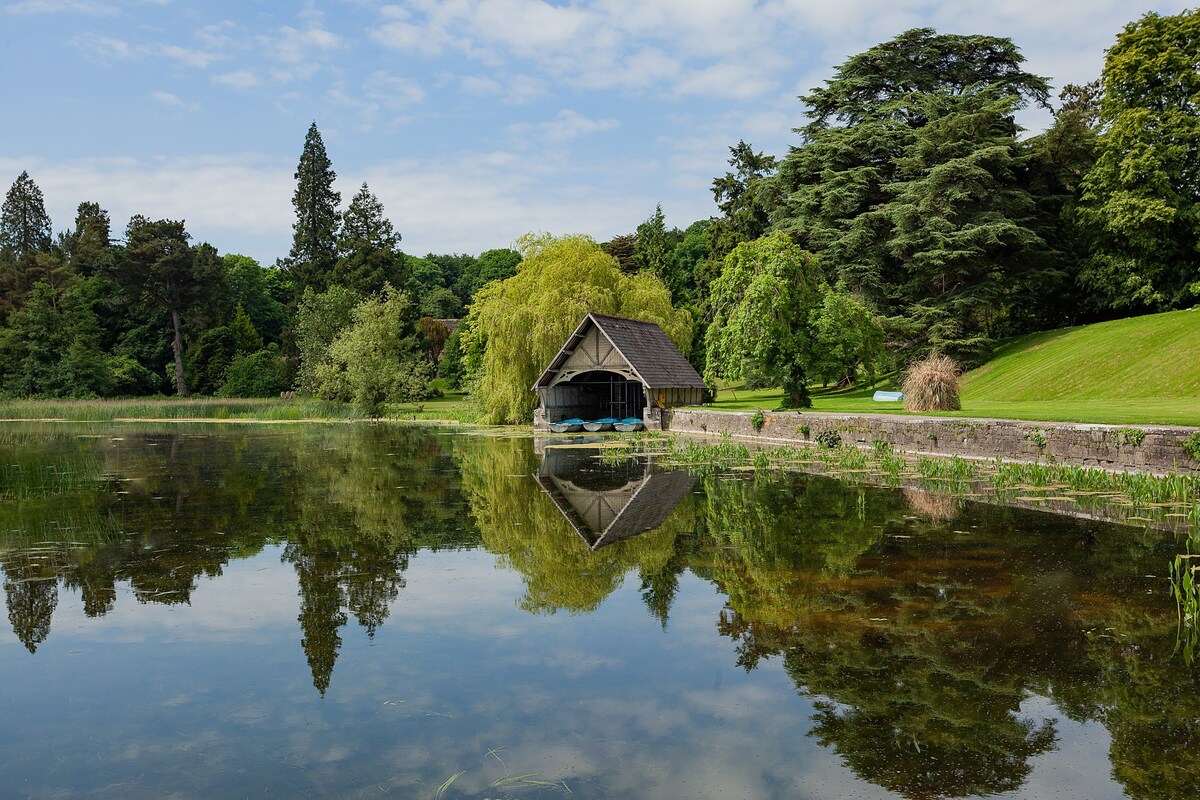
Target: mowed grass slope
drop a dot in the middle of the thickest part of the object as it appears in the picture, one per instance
(1155, 356)
(1142, 370)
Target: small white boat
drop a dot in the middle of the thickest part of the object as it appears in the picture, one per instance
(596, 425)
(629, 425)
(573, 425)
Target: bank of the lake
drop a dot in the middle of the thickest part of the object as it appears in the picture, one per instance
(1144, 448)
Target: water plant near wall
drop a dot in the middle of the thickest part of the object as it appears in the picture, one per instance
(1185, 589)
(1131, 436)
(1191, 445)
(829, 438)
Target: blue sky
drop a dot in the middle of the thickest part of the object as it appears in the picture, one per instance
(473, 120)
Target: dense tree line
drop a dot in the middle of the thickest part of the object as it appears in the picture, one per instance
(912, 215)
(86, 314)
(914, 195)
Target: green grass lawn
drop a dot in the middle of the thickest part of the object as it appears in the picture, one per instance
(1141, 370)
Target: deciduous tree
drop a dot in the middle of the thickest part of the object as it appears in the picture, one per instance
(518, 324)
(1142, 198)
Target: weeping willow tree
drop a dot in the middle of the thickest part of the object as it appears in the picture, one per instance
(516, 326)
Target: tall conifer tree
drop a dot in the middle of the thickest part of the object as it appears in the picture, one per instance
(24, 223)
(314, 242)
(368, 247)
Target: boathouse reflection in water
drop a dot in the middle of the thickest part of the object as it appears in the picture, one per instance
(609, 501)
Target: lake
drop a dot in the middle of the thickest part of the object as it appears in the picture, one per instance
(364, 611)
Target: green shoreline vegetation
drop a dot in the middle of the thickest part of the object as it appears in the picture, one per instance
(1138, 498)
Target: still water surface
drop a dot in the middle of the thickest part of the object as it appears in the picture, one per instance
(329, 611)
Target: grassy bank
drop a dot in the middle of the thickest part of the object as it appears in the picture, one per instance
(1137, 371)
(175, 408)
(452, 407)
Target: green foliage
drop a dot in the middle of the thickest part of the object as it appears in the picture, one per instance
(516, 326)
(757, 420)
(1141, 197)
(51, 349)
(909, 185)
(653, 249)
(1191, 446)
(368, 247)
(829, 438)
(745, 197)
(378, 358)
(88, 248)
(260, 374)
(1131, 436)
(245, 337)
(210, 357)
(492, 265)
(849, 338)
(158, 264)
(314, 241)
(130, 378)
(450, 367)
(761, 305)
(441, 303)
(319, 318)
(24, 223)
(250, 287)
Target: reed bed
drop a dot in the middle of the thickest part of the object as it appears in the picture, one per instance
(271, 409)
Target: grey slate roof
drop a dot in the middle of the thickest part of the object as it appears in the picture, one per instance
(643, 345)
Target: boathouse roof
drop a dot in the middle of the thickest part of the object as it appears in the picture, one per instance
(643, 346)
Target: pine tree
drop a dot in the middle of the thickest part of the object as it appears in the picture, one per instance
(88, 245)
(24, 223)
(314, 242)
(159, 264)
(368, 247)
(24, 233)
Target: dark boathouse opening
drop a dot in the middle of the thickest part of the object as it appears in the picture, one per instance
(595, 395)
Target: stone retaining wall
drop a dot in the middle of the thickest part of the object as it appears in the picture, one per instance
(1144, 448)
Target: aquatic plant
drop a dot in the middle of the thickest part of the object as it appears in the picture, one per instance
(1191, 445)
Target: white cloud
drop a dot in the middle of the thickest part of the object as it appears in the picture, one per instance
(108, 48)
(216, 35)
(238, 79)
(392, 91)
(480, 85)
(192, 58)
(570, 124)
(103, 47)
(168, 99)
(295, 46)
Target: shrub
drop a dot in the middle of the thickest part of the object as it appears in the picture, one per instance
(932, 384)
(757, 419)
(261, 374)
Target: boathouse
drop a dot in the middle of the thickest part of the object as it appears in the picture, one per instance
(616, 367)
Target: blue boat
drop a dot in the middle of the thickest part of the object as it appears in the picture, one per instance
(629, 425)
(605, 424)
(572, 425)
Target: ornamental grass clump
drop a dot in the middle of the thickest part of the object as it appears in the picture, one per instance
(932, 384)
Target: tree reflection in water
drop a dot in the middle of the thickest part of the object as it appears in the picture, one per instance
(920, 626)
